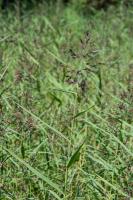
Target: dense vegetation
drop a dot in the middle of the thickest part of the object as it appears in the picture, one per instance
(66, 103)
(89, 4)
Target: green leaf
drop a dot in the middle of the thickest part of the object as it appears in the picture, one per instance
(75, 157)
(55, 195)
(22, 150)
(36, 172)
(82, 112)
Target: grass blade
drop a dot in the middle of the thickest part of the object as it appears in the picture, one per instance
(75, 156)
(44, 123)
(34, 171)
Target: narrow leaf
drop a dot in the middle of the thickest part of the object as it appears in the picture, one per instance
(75, 156)
(36, 172)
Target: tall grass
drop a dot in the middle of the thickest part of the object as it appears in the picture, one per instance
(66, 128)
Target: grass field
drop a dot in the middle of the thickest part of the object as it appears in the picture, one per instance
(66, 105)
